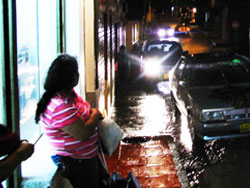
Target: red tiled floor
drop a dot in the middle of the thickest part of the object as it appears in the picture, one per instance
(151, 162)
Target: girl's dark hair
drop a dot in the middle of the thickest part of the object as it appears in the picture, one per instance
(61, 76)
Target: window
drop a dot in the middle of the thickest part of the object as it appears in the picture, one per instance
(180, 68)
(28, 77)
(47, 29)
(37, 47)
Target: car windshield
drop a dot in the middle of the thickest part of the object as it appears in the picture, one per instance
(167, 53)
(227, 73)
(159, 47)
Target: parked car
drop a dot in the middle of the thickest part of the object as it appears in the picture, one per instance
(213, 91)
(158, 57)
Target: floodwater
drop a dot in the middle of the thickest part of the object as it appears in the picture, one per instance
(146, 111)
(142, 111)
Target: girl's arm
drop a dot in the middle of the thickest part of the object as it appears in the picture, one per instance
(82, 129)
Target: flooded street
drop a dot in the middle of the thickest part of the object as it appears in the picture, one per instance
(143, 112)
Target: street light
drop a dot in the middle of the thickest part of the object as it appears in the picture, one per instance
(194, 10)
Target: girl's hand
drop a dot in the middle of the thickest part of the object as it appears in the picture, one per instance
(96, 114)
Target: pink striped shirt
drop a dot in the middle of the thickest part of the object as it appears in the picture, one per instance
(62, 111)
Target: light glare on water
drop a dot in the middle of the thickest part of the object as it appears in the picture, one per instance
(152, 109)
(185, 136)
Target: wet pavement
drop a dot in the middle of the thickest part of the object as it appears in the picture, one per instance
(151, 162)
(147, 149)
(143, 111)
(146, 116)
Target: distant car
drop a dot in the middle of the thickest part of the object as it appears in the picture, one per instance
(182, 29)
(213, 91)
(158, 31)
(165, 31)
(158, 57)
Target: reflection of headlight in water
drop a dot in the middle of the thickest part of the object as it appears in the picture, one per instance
(163, 87)
(152, 67)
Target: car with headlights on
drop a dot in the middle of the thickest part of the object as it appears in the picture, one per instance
(165, 31)
(213, 91)
(158, 57)
(156, 31)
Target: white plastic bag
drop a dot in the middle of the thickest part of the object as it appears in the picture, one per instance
(110, 134)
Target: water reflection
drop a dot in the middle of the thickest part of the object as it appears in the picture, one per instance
(151, 110)
(185, 136)
(163, 88)
(143, 113)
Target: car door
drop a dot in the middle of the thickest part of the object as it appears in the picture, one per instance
(180, 86)
(183, 89)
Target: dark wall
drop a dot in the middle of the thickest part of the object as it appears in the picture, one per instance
(239, 12)
(136, 9)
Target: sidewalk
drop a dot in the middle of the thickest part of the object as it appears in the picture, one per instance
(151, 162)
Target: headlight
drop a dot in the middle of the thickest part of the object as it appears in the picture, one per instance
(170, 32)
(165, 32)
(212, 116)
(161, 33)
(152, 67)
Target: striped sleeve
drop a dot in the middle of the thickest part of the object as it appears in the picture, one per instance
(64, 115)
